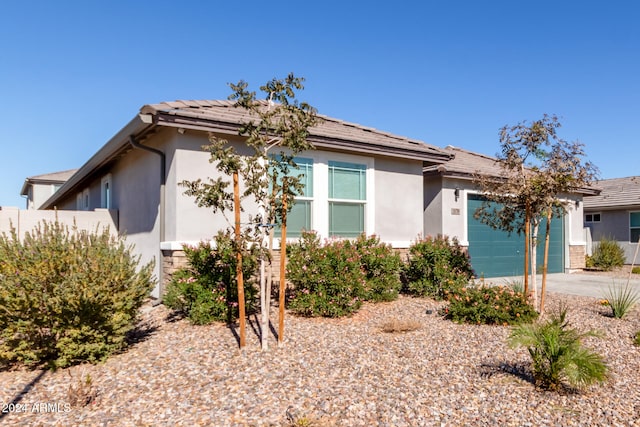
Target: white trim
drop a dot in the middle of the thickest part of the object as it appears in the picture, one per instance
(174, 245)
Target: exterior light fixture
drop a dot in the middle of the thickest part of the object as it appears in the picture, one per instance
(456, 193)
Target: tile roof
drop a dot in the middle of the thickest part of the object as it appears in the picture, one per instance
(466, 164)
(61, 176)
(47, 178)
(329, 132)
(616, 193)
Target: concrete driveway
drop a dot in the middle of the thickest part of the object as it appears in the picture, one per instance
(576, 283)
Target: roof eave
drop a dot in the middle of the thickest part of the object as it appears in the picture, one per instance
(108, 151)
(228, 128)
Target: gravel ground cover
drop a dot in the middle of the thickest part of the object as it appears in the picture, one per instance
(334, 372)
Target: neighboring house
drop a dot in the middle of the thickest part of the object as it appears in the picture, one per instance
(359, 179)
(615, 213)
(451, 199)
(37, 189)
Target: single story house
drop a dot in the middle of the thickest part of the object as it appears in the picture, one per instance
(615, 213)
(38, 188)
(377, 179)
(451, 199)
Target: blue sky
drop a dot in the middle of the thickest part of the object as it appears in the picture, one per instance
(72, 73)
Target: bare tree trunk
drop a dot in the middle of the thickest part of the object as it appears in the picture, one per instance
(239, 276)
(527, 245)
(264, 297)
(283, 260)
(545, 264)
(534, 262)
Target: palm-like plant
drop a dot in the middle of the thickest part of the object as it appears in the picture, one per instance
(557, 353)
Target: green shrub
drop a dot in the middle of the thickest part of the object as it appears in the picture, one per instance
(491, 305)
(636, 339)
(635, 270)
(436, 267)
(328, 279)
(206, 290)
(558, 355)
(381, 265)
(621, 299)
(67, 296)
(607, 255)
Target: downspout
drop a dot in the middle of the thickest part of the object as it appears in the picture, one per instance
(161, 214)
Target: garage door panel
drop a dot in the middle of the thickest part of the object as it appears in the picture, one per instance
(497, 253)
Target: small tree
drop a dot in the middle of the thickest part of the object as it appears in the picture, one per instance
(537, 168)
(280, 122)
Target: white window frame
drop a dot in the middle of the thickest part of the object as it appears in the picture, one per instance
(106, 192)
(321, 188)
(320, 199)
(593, 216)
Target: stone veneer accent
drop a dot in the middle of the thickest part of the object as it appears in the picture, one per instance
(576, 257)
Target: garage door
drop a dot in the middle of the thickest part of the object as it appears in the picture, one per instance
(495, 253)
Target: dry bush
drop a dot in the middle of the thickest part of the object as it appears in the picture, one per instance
(395, 326)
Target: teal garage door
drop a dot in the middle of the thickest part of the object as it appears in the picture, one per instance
(496, 253)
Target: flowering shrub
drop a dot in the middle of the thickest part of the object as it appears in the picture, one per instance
(381, 265)
(206, 291)
(328, 279)
(491, 305)
(436, 267)
(67, 296)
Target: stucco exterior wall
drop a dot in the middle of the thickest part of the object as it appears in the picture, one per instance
(394, 188)
(38, 194)
(24, 221)
(444, 212)
(398, 201)
(614, 224)
(432, 206)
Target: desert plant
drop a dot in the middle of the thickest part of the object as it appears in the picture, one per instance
(67, 296)
(516, 285)
(82, 392)
(381, 265)
(490, 305)
(607, 254)
(621, 299)
(328, 279)
(636, 339)
(206, 291)
(635, 270)
(436, 267)
(557, 354)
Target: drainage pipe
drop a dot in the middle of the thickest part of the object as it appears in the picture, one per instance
(161, 214)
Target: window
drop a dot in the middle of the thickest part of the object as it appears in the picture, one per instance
(634, 226)
(347, 199)
(592, 217)
(85, 200)
(105, 192)
(299, 217)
